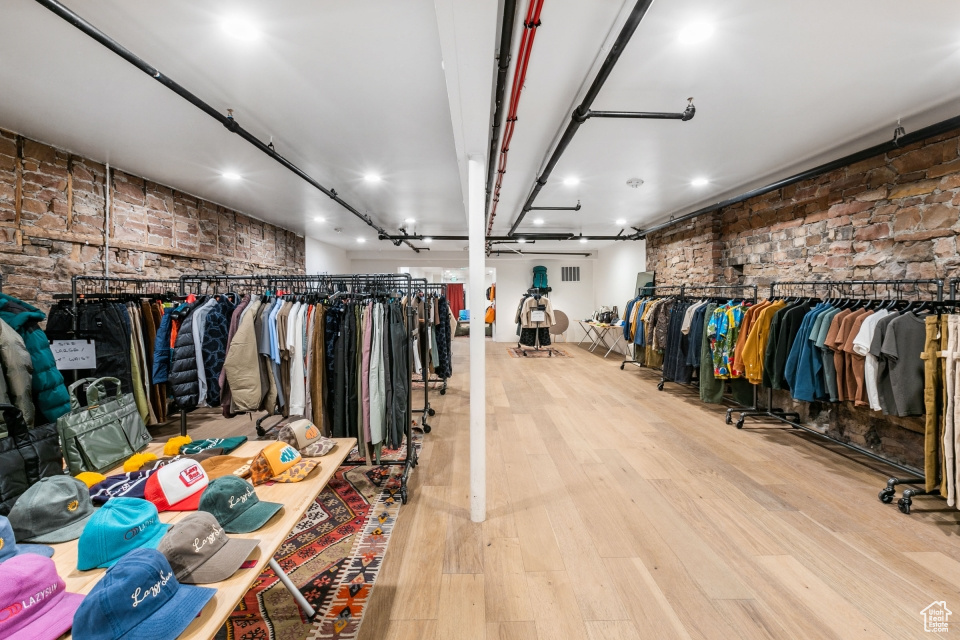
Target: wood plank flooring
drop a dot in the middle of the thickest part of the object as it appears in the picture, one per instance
(619, 512)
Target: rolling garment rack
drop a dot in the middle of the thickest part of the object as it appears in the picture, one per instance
(659, 291)
(423, 285)
(367, 284)
(705, 291)
(845, 288)
(438, 290)
(214, 284)
(535, 292)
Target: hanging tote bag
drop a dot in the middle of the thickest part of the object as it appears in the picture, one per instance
(26, 456)
(105, 432)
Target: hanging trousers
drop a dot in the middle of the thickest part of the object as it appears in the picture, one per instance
(933, 400)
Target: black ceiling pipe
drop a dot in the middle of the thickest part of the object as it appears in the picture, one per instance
(503, 66)
(531, 237)
(226, 120)
(576, 208)
(540, 253)
(582, 113)
(943, 126)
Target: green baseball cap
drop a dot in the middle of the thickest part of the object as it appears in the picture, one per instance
(234, 503)
(55, 509)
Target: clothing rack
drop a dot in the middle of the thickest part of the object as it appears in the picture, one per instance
(846, 288)
(362, 284)
(659, 291)
(213, 284)
(422, 284)
(536, 292)
(705, 291)
(439, 290)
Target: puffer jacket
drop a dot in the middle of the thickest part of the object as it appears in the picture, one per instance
(16, 373)
(183, 382)
(161, 350)
(50, 396)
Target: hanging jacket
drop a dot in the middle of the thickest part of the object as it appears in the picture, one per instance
(16, 373)
(216, 326)
(49, 393)
(183, 381)
(161, 350)
(241, 366)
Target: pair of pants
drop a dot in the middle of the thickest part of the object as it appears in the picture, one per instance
(933, 401)
(949, 443)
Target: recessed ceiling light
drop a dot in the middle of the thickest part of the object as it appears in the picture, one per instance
(229, 175)
(583, 240)
(240, 28)
(621, 221)
(409, 220)
(699, 182)
(571, 181)
(319, 219)
(696, 32)
(361, 240)
(522, 240)
(428, 240)
(538, 221)
(372, 177)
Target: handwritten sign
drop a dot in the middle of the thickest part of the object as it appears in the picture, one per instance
(74, 354)
(538, 316)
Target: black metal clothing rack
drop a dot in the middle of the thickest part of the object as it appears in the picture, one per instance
(363, 284)
(841, 288)
(536, 292)
(658, 291)
(438, 290)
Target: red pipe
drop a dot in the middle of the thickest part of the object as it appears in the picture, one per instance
(519, 77)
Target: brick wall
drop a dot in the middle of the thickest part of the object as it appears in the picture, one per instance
(52, 219)
(889, 217)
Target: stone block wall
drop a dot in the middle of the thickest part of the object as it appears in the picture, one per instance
(53, 226)
(894, 216)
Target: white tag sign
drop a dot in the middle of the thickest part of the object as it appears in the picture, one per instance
(538, 316)
(74, 354)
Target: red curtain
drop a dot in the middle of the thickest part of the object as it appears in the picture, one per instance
(455, 298)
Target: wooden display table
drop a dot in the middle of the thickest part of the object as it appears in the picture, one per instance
(296, 498)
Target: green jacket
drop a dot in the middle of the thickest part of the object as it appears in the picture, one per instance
(49, 393)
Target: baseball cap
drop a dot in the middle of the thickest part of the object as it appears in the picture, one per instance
(234, 503)
(125, 485)
(227, 444)
(9, 547)
(280, 462)
(177, 486)
(305, 437)
(200, 552)
(118, 527)
(219, 466)
(139, 598)
(55, 509)
(34, 601)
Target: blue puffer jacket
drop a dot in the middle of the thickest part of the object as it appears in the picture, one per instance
(161, 350)
(49, 393)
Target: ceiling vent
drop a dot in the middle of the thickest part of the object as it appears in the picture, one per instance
(635, 183)
(570, 274)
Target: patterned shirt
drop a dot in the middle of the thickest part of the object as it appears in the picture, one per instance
(723, 330)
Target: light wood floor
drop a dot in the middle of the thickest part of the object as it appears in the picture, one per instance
(620, 512)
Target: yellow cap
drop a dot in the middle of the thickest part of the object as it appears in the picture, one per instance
(137, 460)
(90, 478)
(173, 445)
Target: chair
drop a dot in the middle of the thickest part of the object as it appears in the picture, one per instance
(561, 326)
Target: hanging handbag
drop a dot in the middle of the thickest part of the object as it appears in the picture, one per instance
(26, 456)
(105, 432)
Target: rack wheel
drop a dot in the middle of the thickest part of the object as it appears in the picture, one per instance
(660, 386)
(621, 366)
(431, 412)
(904, 505)
(740, 423)
(427, 428)
(403, 495)
(443, 392)
(728, 419)
(886, 496)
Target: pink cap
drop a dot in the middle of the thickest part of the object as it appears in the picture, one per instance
(34, 603)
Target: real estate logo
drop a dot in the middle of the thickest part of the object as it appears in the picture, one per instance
(936, 617)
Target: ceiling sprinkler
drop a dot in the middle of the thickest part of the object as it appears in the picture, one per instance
(634, 183)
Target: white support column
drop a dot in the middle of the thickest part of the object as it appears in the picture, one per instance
(478, 376)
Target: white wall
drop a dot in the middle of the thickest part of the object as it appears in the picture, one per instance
(615, 276)
(515, 276)
(325, 258)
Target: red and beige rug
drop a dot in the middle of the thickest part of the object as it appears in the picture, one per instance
(334, 555)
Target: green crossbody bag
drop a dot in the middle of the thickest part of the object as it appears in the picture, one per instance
(105, 432)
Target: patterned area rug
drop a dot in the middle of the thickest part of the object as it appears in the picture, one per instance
(545, 352)
(333, 555)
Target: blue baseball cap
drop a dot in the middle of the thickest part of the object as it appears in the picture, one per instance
(139, 598)
(9, 547)
(118, 527)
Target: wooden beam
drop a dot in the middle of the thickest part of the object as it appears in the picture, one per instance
(18, 172)
(69, 191)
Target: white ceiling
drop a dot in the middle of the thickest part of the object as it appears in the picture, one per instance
(349, 88)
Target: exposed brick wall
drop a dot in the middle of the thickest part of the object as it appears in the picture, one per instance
(52, 219)
(889, 217)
